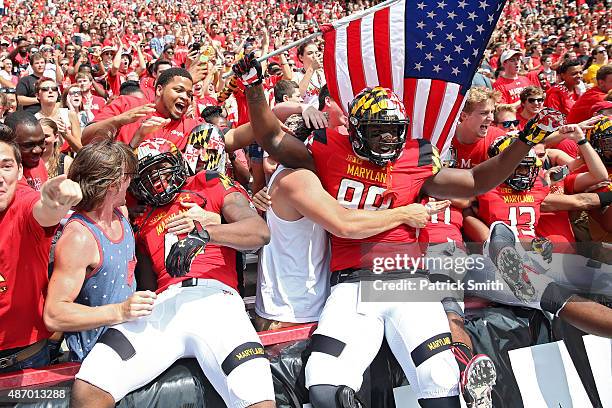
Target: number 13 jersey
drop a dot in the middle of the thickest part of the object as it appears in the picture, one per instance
(358, 184)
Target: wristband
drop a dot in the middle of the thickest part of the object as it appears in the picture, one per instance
(582, 142)
(605, 199)
(554, 298)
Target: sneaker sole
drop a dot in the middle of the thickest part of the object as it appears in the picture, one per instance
(510, 266)
(481, 376)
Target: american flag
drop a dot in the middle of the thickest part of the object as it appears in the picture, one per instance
(427, 51)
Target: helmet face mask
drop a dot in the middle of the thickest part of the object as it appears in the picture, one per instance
(377, 125)
(161, 173)
(526, 173)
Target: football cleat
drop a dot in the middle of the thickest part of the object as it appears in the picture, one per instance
(477, 381)
(502, 250)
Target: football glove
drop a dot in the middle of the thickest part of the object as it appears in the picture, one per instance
(182, 253)
(248, 69)
(544, 247)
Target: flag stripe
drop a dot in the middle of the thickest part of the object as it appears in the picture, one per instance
(420, 106)
(449, 100)
(397, 38)
(434, 102)
(345, 90)
(329, 62)
(409, 101)
(451, 122)
(355, 64)
(367, 49)
(382, 48)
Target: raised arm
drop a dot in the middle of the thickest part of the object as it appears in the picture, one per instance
(57, 196)
(283, 148)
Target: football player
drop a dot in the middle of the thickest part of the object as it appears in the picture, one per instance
(192, 266)
(376, 167)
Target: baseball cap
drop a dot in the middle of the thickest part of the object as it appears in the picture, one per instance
(599, 106)
(107, 49)
(506, 55)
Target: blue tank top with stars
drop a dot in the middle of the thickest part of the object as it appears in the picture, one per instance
(112, 281)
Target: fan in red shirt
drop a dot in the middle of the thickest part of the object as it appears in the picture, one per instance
(564, 95)
(475, 132)
(137, 121)
(532, 100)
(510, 84)
(27, 220)
(582, 109)
(30, 137)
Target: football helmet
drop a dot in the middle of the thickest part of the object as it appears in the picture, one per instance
(205, 149)
(375, 112)
(526, 173)
(601, 139)
(161, 172)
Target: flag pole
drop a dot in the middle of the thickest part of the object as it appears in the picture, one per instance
(319, 33)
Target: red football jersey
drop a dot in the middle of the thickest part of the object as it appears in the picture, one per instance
(446, 226)
(208, 190)
(357, 183)
(519, 209)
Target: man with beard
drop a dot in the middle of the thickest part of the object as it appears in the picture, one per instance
(30, 138)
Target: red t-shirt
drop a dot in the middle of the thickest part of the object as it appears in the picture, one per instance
(208, 190)
(582, 109)
(469, 155)
(519, 209)
(357, 183)
(511, 89)
(24, 258)
(560, 98)
(177, 131)
(36, 176)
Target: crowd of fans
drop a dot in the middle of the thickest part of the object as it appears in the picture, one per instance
(92, 71)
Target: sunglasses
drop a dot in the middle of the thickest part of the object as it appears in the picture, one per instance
(535, 100)
(601, 51)
(509, 123)
(49, 88)
(74, 93)
(10, 91)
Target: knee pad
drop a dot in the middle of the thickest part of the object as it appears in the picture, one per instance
(331, 396)
(436, 367)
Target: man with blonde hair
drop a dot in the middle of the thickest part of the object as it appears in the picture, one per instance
(474, 132)
(505, 118)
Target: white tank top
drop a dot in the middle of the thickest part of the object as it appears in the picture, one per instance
(293, 270)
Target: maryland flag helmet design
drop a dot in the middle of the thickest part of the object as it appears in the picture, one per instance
(205, 149)
(545, 122)
(377, 125)
(526, 173)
